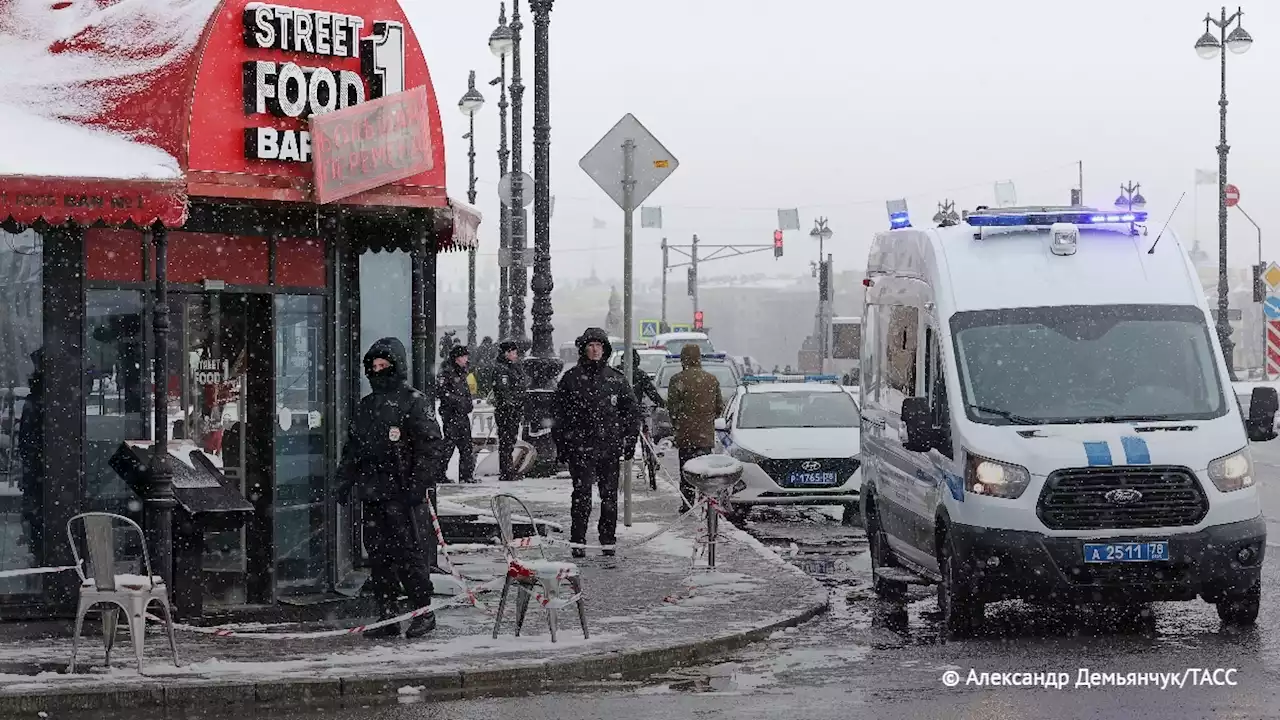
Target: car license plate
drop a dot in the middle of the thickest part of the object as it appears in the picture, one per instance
(811, 478)
(1127, 552)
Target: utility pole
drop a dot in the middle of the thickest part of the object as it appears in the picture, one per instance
(693, 282)
(718, 252)
(664, 281)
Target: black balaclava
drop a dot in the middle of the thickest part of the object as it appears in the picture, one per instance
(391, 378)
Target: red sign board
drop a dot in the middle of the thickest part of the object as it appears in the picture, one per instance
(371, 144)
(1233, 195)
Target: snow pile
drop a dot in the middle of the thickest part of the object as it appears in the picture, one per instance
(714, 466)
(72, 62)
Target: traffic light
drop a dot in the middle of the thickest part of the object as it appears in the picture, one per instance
(777, 243)
(1259, 283)
(697, 319)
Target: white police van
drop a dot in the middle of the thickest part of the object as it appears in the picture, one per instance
(1046, 415)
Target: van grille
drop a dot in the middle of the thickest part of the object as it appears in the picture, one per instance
(1075, 499)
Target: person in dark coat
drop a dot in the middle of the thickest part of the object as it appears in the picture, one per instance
(510, 387)
(392, 459)
(643, 387)
(31, 452)
(595, 413)
(455, 410)
(484, 364)
(694, 401)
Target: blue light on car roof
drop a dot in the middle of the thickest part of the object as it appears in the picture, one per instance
(899, 220)
(820, 378)
(1048, 218)
(705, 356)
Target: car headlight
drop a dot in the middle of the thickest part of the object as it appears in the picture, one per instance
(741, 454)
(1233, 472)
(983, 476)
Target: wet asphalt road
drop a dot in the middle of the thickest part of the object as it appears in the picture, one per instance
(870, 660)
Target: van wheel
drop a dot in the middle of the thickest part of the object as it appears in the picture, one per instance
(881, 557)
(1241, 609)
(962, 613)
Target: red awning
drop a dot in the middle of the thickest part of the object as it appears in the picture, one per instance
(88, 201)
(464, 231)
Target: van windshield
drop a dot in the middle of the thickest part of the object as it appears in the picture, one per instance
(1087, 364)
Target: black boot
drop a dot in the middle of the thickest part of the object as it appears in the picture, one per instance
(579, 553)
(420, 626)
(385, 612)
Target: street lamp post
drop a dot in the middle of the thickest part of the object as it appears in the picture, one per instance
(823, 233)
(543, 283)
(516, 276)
(1210, 47)
(470, 104)
(500, 44)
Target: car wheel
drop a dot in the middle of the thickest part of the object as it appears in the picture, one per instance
(962, 613)
(881, 557)
(1241, 609)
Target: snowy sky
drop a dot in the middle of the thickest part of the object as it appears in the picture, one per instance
(766, 106)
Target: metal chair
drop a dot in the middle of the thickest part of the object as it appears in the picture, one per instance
(102, 585)
(540, 579)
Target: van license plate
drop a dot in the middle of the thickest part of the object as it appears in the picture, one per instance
(1127, 552)
(811, 478)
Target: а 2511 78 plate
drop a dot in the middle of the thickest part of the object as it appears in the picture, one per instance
(1157, 551)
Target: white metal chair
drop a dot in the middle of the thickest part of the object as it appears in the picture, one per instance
(102, 585)
(540, 579)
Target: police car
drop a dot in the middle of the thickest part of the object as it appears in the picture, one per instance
(798, 441)
(1046, 417)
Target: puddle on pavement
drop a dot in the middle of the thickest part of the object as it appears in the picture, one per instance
(723, 678)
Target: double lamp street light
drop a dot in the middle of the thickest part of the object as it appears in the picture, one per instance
(1211, 47)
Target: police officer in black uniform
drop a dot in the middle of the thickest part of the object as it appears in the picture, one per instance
(392, 459)
(455, 410)
(510, 385)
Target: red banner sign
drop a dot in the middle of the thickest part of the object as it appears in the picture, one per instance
(371, 144)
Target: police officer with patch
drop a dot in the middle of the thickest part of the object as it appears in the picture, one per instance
(392, 458)
(454, 394)
(510, 386)
(595, 414)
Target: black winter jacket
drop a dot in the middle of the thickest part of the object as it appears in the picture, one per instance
(595, 410)
(510, 385)
(394, 443)
(453, 393)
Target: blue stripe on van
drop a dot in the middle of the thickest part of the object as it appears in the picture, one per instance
(1099, 453)
(1135, 451)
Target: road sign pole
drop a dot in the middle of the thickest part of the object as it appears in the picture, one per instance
(628, 208)
(664, 282)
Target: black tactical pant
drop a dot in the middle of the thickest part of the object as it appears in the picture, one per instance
(397, 556)
(457, 433)
(600, 470)
(508, 421)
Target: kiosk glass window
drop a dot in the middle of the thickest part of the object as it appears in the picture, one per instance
(301, 452)
(385, 281)
(22, 531)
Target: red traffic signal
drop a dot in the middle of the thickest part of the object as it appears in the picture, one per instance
(697, 320)
(777, 243)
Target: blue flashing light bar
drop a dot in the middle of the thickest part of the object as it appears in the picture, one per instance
(748, 379)
(1045, 219)
(705, 356)
(899, 220)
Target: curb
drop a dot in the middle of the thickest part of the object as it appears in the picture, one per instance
(462, 683)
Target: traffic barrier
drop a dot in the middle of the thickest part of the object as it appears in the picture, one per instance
(22, 572)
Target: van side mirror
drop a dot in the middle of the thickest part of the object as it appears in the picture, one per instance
(721, 425)
(1263, 405)
(919, 425)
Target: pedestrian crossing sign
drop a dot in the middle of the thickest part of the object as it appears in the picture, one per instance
(648, 328)
(681, 327)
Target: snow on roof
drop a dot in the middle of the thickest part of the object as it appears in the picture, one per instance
(67, 149)
(69, 65)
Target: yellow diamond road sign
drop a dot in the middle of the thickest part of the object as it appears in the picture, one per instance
(1272, 275)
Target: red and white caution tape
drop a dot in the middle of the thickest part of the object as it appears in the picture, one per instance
(537, 540)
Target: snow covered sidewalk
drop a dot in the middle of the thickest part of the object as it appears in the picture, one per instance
(649, 607)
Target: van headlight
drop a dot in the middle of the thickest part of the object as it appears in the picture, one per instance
(1233, 472)
(743, 455)
(984, 476)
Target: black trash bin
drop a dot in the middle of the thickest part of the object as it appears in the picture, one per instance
(206, 503)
